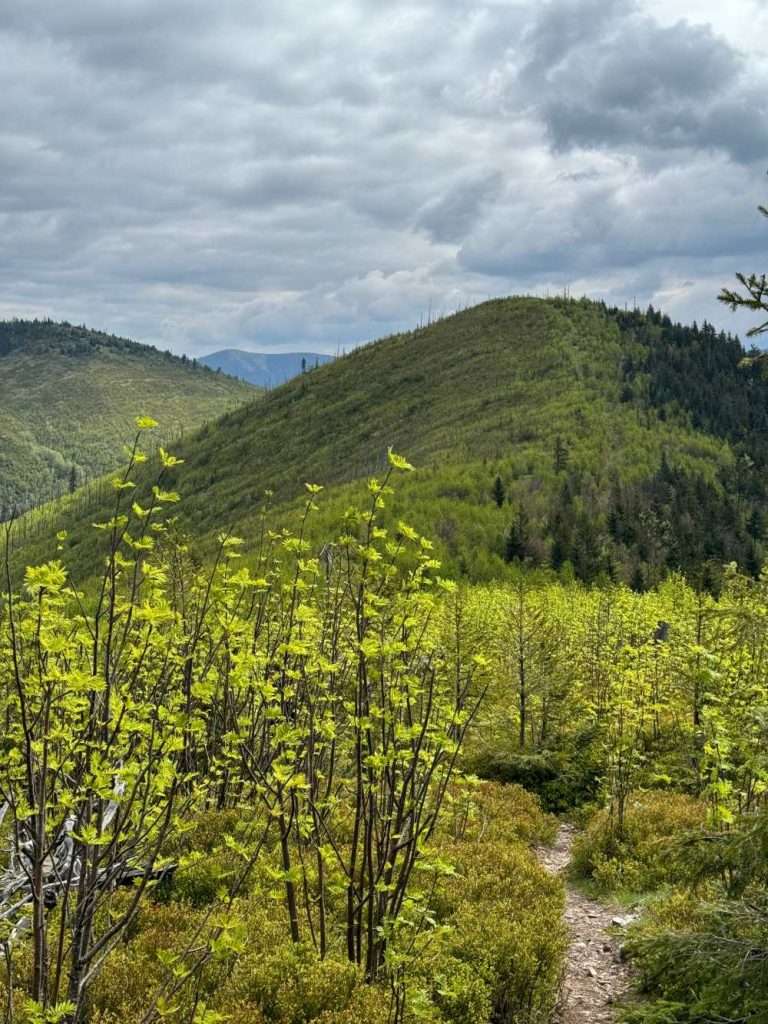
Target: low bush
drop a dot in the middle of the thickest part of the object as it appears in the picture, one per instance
(488, 810)
(701, 950)
(459, 993)
(508, 927)
(647, 853)
(502, 958)
(289, 985)
(200, 879)
(122, 991)
(561, 777)
(491, 951)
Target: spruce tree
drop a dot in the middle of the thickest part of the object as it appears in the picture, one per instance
(499, 494)
(752, 295)
(517, 541)
(560, 455)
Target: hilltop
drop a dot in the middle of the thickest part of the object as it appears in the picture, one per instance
(595, 441)
(265, 369)
(68, 398)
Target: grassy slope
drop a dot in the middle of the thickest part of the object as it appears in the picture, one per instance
(68, 395)
(483, 392)
(494, 384)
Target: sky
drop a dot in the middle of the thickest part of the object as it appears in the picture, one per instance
(294, 174)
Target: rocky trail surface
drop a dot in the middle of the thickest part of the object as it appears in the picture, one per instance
(596, 977)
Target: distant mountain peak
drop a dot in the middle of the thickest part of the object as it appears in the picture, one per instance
(265, 369)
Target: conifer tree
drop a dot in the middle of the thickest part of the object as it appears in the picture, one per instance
(753, 293)
(518, 539)
(560, 455)
(499, 493)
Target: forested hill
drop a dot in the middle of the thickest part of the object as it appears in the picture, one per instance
(68, 398)
(595, 441)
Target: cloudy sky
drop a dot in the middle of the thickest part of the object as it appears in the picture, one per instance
(251, 173)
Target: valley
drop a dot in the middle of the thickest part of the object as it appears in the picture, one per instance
(264, 369)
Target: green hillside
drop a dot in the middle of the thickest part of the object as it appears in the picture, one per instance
(595, 441)
(68, 397)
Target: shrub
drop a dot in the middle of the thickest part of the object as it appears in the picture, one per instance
(517, 951)
(701, 951)
(272, 982)
(290, 985)
(506, 914)
(280, 982)
(489, 810)
(200, 878)
(206, 833)
(648, 852)
(122, 991)
(461, 994)
(562, 777)
(703, 961)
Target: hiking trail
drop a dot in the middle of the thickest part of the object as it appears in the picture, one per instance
(595, 976)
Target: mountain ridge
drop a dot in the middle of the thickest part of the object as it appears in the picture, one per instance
(609, 465)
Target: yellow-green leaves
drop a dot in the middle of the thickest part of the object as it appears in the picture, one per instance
(169, 461)
(398, 462)
(121, 485)
(165, 496)
(35, 1013)
(286, 685)
(145, 423)
(51, 577)
(407, 531)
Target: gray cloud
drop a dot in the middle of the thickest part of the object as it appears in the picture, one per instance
(275, 174)
(449, 216)
(605, 74)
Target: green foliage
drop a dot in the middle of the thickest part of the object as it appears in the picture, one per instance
(701, 951)
(649, 851)
(324, 689)
(506, 913)
(279, 740)
(498, 492)
(290, 985)
(493, 956)
(563, 777)
(200, 879)
(619, 691)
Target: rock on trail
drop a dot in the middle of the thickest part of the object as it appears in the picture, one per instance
(595, 976)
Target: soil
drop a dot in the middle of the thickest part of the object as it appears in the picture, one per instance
(595, 978)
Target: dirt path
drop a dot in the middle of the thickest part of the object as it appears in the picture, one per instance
(595, 976)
